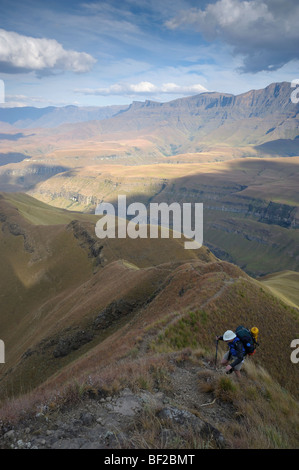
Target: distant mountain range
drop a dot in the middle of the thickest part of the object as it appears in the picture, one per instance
(51, 116)
(186, 125)
(257, 115)
(251, 118)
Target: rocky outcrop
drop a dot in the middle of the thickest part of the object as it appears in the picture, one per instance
(113, 312)
(110, 422)
(72, 342)
(86, 240)
(280, 214)
(15, 229)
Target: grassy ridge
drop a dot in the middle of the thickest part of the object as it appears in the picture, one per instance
(38, 213)
(197, 302)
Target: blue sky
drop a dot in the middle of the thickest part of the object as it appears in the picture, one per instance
(102, 53)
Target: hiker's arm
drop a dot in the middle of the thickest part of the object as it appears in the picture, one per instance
(219, 338)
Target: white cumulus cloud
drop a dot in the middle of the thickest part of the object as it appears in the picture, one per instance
(19, 53)
(264, 32)
(144, 88)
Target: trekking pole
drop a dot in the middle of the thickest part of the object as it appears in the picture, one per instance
(216, 353)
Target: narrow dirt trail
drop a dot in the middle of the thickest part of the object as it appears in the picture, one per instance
(149, 336)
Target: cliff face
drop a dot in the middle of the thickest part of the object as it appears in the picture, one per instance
(255, 117)
(275, 97)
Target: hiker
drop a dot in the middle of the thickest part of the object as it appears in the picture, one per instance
(236, 352)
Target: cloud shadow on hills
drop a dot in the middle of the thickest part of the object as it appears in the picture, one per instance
(14, 137)
(239, 207)
(280, 147)
(26, 178)
(11, 157)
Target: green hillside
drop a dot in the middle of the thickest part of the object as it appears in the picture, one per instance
(285, 285)
(38, 213)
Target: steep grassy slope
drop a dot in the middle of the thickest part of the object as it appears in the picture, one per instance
(82, 317)
(38, 213)
(284, 284)
(69, 298)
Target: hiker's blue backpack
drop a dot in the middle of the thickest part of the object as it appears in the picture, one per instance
(247, 339)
